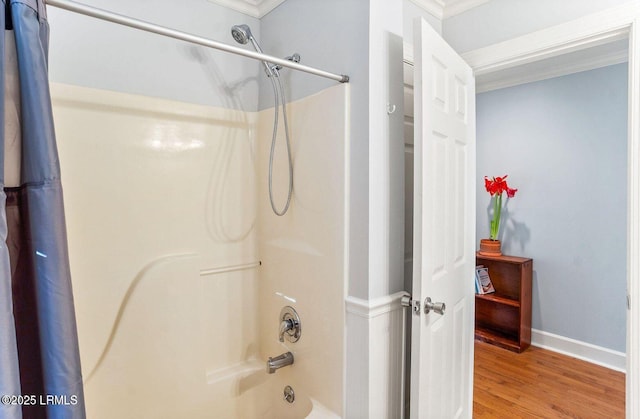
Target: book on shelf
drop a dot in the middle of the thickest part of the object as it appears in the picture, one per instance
(483, 281)
(477, 280)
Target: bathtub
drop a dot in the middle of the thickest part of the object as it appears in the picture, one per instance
(251, 393)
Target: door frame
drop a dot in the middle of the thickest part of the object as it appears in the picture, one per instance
(592, 30)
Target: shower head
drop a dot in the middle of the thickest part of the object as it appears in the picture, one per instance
(241, 33)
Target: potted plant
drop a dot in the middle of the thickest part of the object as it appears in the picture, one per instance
(496, 186)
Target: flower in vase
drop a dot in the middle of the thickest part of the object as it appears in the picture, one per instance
(496, 186)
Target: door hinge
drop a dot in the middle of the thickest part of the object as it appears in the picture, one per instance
(406, 301)
(628, 302)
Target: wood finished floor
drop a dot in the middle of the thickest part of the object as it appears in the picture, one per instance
(542, 384)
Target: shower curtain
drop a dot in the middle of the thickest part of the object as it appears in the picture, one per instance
(39, 360)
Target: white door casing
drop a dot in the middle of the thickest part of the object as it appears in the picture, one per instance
(592, 30)
(444, 229)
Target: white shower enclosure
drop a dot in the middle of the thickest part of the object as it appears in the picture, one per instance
(179, 266)
(168, 218)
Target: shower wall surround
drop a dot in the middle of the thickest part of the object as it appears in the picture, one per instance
(163, 152)
(157, 191)
(304, 252)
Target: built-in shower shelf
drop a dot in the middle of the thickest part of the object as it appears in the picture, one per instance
(230, 268)
(234, 371)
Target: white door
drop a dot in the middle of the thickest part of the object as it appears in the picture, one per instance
(444, 229)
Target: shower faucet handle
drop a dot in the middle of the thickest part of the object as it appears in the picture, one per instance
(290, 326)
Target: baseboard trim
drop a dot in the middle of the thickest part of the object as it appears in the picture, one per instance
(585, 351)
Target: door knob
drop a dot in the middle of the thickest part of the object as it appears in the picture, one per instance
(430, 305)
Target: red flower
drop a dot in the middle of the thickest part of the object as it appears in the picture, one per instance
(501, 183)
(489, 186)
(495, 186)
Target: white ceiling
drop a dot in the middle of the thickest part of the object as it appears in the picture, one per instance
(441, 9)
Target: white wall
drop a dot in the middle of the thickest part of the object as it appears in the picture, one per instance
(563, 143)
(386, 150)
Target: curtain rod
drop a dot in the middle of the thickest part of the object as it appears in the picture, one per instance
(161, 30)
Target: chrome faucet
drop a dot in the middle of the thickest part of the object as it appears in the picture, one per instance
(279, 361)
(290, 326)
(285, 326)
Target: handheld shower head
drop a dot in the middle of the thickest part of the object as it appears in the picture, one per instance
(241, 33)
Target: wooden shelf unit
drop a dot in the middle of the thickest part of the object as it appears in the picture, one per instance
(503, 318)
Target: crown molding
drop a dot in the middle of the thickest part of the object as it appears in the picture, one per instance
(253, 8)
(443, 9)
(456, 7)
(527, 74)
(522, 76)
(596, 29)
(434, 7)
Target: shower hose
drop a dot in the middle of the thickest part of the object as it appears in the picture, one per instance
(279, 99)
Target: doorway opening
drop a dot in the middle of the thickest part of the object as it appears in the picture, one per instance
(597, 48)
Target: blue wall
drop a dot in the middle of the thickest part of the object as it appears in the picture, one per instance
(332, 35)
(563, 143)
(92, 53)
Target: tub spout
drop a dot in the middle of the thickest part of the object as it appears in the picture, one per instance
(279, 361)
